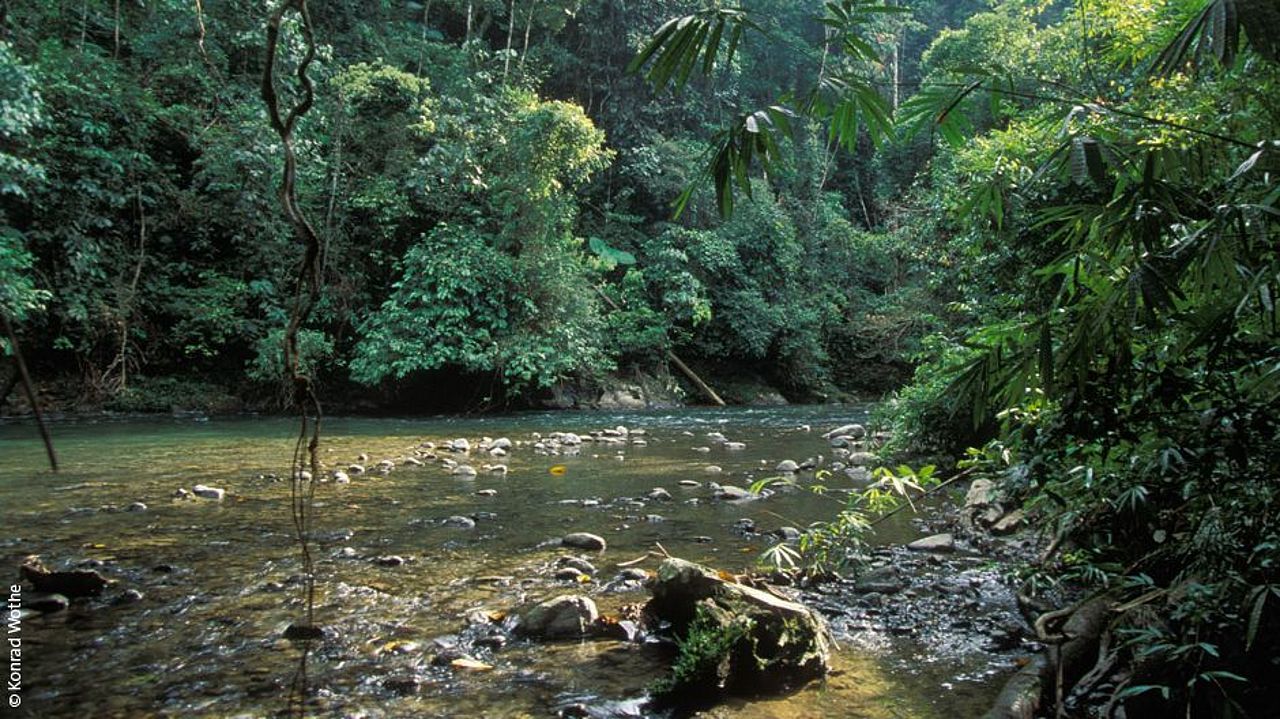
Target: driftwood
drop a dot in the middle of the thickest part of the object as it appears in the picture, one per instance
(30, 389)
(674, 360)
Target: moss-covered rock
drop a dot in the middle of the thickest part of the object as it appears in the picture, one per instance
(733, 639)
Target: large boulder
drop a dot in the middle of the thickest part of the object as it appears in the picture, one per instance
(566, 616)
(735, 638)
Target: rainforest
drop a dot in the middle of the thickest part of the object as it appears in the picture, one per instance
(641, 357)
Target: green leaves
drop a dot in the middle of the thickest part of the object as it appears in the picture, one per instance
(684, 43)
(935, 107)
(753, 137)
(1215, 33)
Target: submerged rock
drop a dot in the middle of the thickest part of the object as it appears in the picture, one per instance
(562, 617)
(787, 465)
(46, 603)
(764, 642)
(76, 583)
(460, 522)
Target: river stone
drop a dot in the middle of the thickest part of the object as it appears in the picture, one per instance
(690, 483)
(464, 470)
(565, 616)
(460, 522)
(584, 540)
(570, 574)
(861, 459)
(658, 494)
(46, 603)
(128, 596)
(500, 443)
(787, 465)
(716, 438)
(936, 543)
(356, 469)
(391, 560)
(787, 534)
(710, 469)
(856, 431)
(735, 445)
(340, 477)
(730, 493)
(460, 445)
(884, 580)
(136, 507)
(981, 493)
(780, 643)
(216, 493)
(570, 439)
(1009, 523)
(487, 493)
(577, 563)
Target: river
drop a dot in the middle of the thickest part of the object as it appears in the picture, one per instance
(219, 579)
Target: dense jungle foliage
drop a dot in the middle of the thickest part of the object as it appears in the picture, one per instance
(489, 180)
(1061, 214)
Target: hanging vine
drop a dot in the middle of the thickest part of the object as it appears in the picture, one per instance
(305, 468)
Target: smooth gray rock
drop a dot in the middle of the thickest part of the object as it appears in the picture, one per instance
(658, 494)
(855, 431)
(565, 616)
(936, 543)
(460, 522)
(730, 493)
(214, 493)
(577, 563)
(584, 540)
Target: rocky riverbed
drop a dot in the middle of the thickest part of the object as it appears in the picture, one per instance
(435, 538)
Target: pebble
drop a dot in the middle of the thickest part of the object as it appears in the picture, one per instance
(460, 522)
(710, 469)
(487, 492)
(136, 507)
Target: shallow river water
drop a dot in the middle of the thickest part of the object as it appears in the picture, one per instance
(219, 579)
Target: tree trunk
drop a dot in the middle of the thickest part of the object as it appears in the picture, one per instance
(528, 24)
(422, 48)
(511, 26)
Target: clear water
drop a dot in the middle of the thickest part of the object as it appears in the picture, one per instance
(205, 640)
